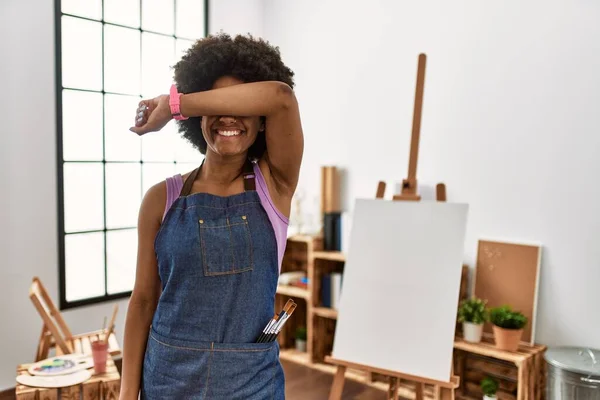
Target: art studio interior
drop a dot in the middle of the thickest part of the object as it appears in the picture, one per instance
(301, 200)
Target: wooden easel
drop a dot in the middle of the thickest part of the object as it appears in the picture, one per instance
(441, 390)
(409, 185)
(56, 333)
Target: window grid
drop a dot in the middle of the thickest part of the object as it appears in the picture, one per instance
(63, 234)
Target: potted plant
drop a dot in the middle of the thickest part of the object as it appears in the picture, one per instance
(473, 314)
(508, 327)
(489, 388)
(301, 339)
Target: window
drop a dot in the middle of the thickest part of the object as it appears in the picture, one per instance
(109, 55)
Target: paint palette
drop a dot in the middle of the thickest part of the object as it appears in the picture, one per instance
(61, 365)
(55, 381)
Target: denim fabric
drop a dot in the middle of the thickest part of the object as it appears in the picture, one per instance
(217, 260)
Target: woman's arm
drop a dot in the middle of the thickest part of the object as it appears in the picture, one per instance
(274, 100)
(145, 293)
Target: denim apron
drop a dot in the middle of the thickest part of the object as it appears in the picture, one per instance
(218, 264)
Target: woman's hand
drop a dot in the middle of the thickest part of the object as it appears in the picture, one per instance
(152, 115)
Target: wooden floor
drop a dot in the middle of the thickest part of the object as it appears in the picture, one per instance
(303, 383)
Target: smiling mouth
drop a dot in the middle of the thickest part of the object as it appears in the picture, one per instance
(229, 132)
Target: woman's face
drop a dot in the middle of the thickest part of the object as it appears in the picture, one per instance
(229, 135)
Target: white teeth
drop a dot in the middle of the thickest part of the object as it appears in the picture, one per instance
(229, 133)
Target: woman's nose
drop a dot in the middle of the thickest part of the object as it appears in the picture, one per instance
(227, 119)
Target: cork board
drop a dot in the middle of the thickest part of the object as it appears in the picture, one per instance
(508, 273)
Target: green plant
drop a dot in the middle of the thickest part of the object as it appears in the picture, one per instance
(489, 386)
(505, 317)
(301, 333)
(473, 310)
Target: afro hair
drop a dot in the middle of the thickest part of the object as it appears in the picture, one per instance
(245, 58)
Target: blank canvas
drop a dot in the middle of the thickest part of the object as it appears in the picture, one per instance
(401, 285)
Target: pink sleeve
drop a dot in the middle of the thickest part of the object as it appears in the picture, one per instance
(174, 185)
(279, 221)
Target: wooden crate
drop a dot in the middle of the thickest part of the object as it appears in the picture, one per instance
(324, 263)
(99, 387)
(299, 252)
(322, 338)
(520, 374)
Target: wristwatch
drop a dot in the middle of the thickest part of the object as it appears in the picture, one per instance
(174, 103)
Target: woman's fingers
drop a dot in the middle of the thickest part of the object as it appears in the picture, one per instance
(142, 113)
(151, 115)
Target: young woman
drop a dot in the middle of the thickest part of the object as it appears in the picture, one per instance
(211, 241)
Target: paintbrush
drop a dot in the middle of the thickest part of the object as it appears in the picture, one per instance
(269, 325)
(274, 321)
(279, 325)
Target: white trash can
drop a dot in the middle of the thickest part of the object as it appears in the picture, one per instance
(573, 373)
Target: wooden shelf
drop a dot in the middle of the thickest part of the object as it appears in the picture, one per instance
(293, 291)
(488, 349)
(303, 239)
(325, 312)
(295, 356)
(330, 255)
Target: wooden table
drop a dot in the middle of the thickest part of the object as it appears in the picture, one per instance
(99, 387)
(486, 359)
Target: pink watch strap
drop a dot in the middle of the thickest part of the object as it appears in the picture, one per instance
(174, 103)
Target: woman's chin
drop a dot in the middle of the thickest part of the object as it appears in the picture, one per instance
(230, 151)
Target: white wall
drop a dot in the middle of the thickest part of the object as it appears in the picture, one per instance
(28, 237)
(236, 16)
(511, 121)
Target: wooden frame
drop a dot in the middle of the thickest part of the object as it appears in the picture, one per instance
(441, 391)
(63, 302)
(56, 333)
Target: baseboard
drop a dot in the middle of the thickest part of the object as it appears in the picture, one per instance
(8, 394)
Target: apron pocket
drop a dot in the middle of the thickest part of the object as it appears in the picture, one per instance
(245, 371)
(174, 372)
(225, 245)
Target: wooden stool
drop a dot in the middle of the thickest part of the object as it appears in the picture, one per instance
(99, 387)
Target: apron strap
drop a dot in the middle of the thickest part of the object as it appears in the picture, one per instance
(189, 182)
(248, 174)
(249, 177)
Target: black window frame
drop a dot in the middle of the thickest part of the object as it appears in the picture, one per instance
(64, 304)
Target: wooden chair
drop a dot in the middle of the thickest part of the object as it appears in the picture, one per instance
(57, 335)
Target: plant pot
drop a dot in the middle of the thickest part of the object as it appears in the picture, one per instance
(472, 332)
(301, 345)
(486, 397)
(507, 339)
